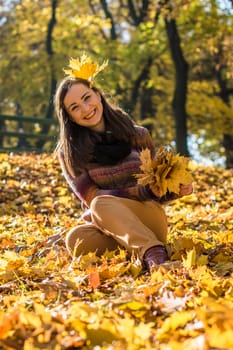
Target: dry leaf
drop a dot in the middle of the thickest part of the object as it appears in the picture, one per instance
(94, 278)
(46, 300)
(165, 172)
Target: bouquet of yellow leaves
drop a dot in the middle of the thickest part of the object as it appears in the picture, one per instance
(165, 173)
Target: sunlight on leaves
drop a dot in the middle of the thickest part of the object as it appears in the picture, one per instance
(53, 301)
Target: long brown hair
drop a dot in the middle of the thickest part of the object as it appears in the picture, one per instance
(77, 142)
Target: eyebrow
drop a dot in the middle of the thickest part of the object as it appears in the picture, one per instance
(82, 97)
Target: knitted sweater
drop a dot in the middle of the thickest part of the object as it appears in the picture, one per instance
(117, 180)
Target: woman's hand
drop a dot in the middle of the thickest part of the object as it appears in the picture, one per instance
(185, 190)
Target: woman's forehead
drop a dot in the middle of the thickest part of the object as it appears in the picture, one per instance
(76, 92)
(77, 89)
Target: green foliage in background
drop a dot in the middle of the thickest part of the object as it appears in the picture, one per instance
(39, 37)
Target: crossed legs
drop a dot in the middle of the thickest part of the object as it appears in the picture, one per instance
(136, 226)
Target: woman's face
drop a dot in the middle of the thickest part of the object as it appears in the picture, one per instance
(85, 107)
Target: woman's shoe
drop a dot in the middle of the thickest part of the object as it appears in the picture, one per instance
(155, 256)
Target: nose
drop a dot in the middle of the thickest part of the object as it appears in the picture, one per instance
(85, 106)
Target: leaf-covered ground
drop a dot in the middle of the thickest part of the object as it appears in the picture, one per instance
(50, 301)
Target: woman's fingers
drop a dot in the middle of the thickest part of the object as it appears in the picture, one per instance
(185, 190)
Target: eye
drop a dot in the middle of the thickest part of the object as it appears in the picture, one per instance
(86, 98)
(75, 108)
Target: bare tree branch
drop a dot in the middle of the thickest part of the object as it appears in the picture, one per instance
(92, 7)
(137, 19)
(108, 14)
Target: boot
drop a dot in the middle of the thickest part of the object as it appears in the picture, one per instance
(155, 256)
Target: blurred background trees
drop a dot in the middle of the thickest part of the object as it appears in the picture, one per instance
(170, 65)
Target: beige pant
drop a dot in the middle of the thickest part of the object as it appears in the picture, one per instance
(122, 222)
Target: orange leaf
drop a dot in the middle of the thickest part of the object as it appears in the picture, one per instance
(94, 279)
(7, 323)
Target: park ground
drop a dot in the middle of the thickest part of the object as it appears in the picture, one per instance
(52, 301)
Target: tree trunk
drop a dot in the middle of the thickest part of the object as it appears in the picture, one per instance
(228, 145)
(53, 81)
(142, 77)
(138, 18)
(22, 142)
(108, 15)
(2, 128)
(180, 93)
(225, 93)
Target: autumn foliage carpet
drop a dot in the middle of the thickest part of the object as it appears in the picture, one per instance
(50, 301)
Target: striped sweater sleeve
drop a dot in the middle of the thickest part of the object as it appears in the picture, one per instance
(85, 188)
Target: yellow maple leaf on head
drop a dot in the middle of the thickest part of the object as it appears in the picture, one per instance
(166, 172)
(84, 68)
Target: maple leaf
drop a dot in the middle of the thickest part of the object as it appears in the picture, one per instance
(166, 172)
(94, 277)
(84, 68)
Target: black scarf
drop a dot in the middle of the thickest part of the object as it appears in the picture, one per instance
(109, 150)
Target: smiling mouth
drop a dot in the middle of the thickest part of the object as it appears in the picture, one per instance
(91, 115)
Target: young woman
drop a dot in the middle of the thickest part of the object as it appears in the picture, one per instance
(99, 149)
